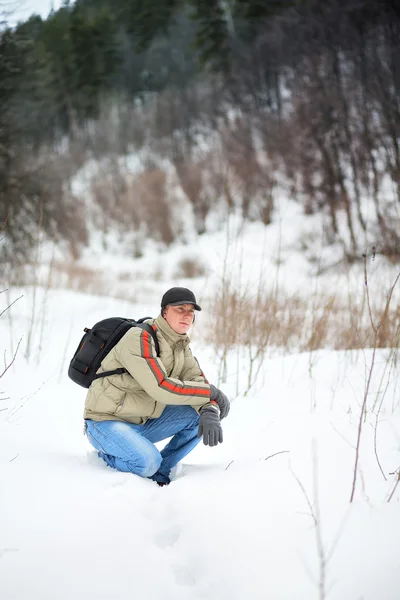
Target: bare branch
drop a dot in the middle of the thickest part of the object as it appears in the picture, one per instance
(318, 531)
(13, 359)
(376, 431)
(312, 513)
(24, 401)
(397, 472)
(342, 436)
(360, 422)
(276, 454)
(376, 329)
(367, 291)
(14, 301)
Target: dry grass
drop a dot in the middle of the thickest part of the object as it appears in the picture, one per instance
(251, 327)
(136, 203)
(291, 323)
(189, 268)
(191, 179)
(257, 321)
(77, 277)
(67, 276)
(150, 190)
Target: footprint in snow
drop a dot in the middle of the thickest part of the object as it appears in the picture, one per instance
(118, 482)
(4, 551)
(168, 537)
(183, 575)
(169, 530)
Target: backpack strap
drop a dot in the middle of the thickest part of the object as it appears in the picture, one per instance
(119, 371)
(146, 327)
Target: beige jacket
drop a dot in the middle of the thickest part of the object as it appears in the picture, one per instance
(151, 382)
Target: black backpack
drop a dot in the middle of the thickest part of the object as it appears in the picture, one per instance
(97, 343)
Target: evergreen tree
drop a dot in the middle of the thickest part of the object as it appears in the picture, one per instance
(95, 55)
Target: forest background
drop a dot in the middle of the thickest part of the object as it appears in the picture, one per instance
(241, 99)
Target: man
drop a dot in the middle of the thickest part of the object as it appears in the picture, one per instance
(157, 398)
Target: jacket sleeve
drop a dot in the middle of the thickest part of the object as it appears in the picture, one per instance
(137, 354)
(191, 369)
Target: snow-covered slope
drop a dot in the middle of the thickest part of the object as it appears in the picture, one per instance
(291, 255)
(264, 515)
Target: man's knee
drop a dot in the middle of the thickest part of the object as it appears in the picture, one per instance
(146, 464)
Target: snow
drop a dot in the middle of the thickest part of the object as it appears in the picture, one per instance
(238, 521)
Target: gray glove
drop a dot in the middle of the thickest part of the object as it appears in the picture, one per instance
(221, 400)
(209, 426)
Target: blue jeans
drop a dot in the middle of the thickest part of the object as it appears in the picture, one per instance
(130, 448)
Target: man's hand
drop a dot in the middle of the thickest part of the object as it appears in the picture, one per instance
(221, 400)
(210, 426)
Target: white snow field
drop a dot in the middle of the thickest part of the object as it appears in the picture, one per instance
(264, 516)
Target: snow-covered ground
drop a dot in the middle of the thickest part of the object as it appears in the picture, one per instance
(264, 515)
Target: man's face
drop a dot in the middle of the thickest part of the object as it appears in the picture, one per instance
(179, 318)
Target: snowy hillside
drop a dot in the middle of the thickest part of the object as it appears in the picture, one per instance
(291, 256)
(238, 521)
(265, 515)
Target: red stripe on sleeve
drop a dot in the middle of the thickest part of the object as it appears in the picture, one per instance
(164, 383)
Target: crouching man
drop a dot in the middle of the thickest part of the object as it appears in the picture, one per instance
(157, 398)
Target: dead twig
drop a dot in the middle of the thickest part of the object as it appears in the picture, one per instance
(24, 401)
(12, 361)
(397, 472)
(10, 305)
(376, 434)
(342, 436)
(301, 486)
(276, 454)
(360, 424)
(376, 330)
(315, 515)
(324, 555)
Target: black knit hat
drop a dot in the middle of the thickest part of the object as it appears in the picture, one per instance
(179, 295)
